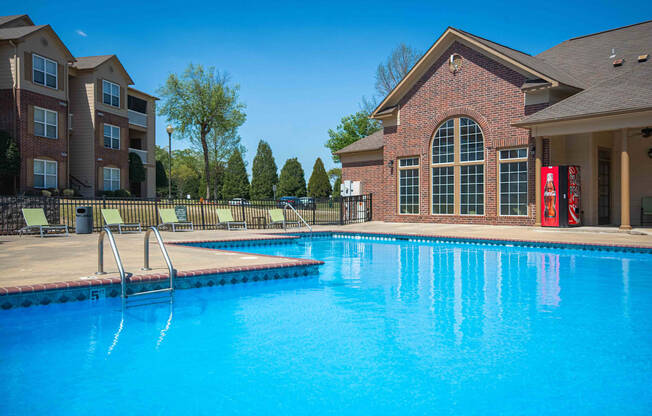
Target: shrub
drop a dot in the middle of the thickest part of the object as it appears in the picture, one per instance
(68, 192)
(45, 192)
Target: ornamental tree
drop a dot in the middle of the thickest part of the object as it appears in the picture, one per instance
(264, 173)
(319, 186)
(292, 181)
(236, 181)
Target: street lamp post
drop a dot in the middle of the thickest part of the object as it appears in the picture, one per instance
(169, 129)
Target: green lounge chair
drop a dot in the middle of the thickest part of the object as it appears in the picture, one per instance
(646, 208)
(278, 217)
(169, 219)
(35, 219)
(112, 218)
(225, 217)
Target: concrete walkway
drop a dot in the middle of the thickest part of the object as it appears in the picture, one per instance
(31, 260)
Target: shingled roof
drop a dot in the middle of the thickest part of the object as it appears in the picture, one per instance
(372, 142)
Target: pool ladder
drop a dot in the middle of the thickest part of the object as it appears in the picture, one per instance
(125, 275)
(285, 207)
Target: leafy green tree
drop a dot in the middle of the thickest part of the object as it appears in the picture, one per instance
(205, 109)
(264, 173)
(292, 181)
(236, 182)
(334, 173)
(351, 129)
(319, 186)
(9, 162)
(161, 175)
(137, 172)
(337, 187)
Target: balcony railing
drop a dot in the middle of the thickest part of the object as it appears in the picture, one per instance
(141, 153)
(138, 119)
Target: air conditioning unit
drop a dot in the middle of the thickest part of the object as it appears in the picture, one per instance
(351, 188)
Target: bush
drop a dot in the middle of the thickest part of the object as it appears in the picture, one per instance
(68, 192)
(120, 193)
(46, 193)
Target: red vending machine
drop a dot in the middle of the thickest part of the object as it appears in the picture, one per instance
(560, 188)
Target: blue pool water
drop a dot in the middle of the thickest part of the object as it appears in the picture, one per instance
(387, 328)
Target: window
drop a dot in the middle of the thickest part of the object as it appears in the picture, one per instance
(443, 190)
(459, 144)
(110, 93)
(472, 190)
(471, 141)
(111, 136)
(111, 179)
(45, 123)
(44, 71)
(443, 149)
(136, 104)
(408, 186)
(513, 182)
(45, 173)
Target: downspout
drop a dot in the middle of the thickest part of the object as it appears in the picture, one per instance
(67, 87)
(15, 107)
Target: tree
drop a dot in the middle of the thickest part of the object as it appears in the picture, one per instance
(137, 172)
(394, 69)
(236, 182)
(9, 162)
(334, 174)
(264, 173)
(351, 129)
(319, 186)
(205, 108)
(337, 187)
(292, 181)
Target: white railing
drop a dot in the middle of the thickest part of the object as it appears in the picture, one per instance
(141, 153)
(136, 118)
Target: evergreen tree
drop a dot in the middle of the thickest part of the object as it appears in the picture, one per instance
(292, 181)
(236, 182)
(263, 173)
(319, 186)
(161, 175)
(336, 187)
(137, 172)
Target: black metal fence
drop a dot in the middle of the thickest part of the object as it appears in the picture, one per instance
(203, 214)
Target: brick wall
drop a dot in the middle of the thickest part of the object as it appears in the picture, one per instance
(112, 157)
(34, 147)
(370, 174)
(484, 90)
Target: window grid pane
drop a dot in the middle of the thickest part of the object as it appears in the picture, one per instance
(45, 174)
(471, 141)
(413, 161)
(111, 179)
(45, 123)
(409, 191)
(111, 136)
(443, 190)
(513, 188)
(443, 147)
(44, 71)
(472, 192)
(507, 154)
(110, 93)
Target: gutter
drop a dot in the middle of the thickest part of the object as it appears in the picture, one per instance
(527, 124)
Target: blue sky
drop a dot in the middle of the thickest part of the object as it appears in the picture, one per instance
(303, 65)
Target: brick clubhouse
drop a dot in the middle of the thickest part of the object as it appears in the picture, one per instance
(466, 132)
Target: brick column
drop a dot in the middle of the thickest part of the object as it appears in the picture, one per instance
(538, 157)
(624, 182)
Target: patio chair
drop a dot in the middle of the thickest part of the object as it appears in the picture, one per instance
(169, 219)
(225, 217)
(112, 218)
(646, 208)
(35, 219)
(278, 217)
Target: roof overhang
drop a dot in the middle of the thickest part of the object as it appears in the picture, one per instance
(139, 92)
(449, 36)
(109, 58)
(589, 123)
(53, 34)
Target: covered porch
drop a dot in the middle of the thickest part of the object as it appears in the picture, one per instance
(614, 154)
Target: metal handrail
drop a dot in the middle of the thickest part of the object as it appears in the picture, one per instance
(116, 255)
(166, 257)
(285, 206)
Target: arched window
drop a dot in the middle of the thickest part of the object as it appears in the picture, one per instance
(458, 161)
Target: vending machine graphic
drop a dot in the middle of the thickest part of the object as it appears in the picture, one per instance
(560, 188)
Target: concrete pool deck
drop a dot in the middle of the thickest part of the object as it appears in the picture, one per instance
(33, 261)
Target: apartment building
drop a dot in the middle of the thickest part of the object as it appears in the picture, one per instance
(76, 119)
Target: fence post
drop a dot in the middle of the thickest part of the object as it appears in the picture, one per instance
(342, 210)
(155, 222)
(203, 222)
(371, 206)
(314, 209)
(242, 202)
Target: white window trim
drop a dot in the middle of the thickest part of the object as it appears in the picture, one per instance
(104, 169)
(527, 192)
(45, 123)
(45, 72)
(45, 173)
(110, 93)
(119, 136)
(416, 167)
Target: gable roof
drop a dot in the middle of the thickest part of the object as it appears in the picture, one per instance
(372, 142)
(534, 66)
(590, 57)
(20, 32)
(6, 20)
(85, 63)
(630, 91)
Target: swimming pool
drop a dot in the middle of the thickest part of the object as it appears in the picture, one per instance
(388, 327)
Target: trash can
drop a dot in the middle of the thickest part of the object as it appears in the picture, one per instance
(84, 220)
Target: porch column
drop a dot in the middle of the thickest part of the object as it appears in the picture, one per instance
(624, 182)
(538, 157)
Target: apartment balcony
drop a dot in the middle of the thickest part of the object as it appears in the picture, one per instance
(137, 118)
(141, 153)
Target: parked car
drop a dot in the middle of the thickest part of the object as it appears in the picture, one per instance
(307, 202)
(292, 200)
(239, 201)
